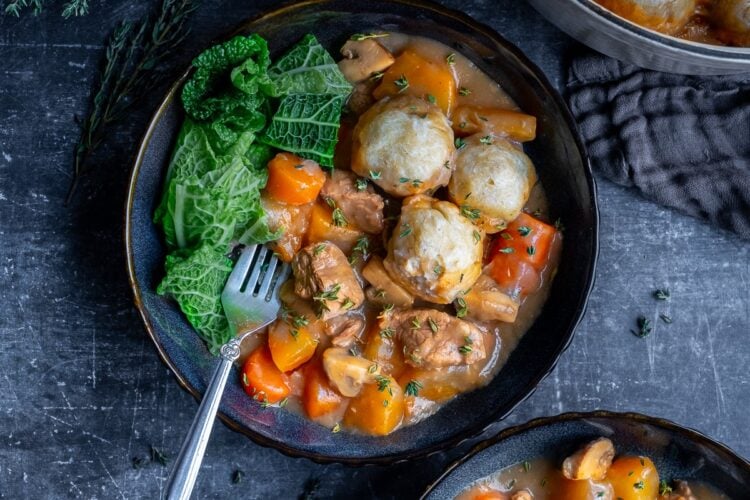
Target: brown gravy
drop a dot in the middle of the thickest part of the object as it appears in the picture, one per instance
(539, 477)
(501, 338)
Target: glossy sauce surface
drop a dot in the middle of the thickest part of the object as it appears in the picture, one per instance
(543, 479)
(500, 338)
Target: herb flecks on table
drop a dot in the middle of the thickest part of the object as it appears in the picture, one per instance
(134, 64)
(644, 327)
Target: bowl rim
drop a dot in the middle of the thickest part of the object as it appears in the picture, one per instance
(722, 52)
(469, 432)
(640, 418)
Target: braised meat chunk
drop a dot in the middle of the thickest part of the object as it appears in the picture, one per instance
(291, 220)
(362, 207)
(345, 330)
(680, 491)
(322, 273)
(434, 339)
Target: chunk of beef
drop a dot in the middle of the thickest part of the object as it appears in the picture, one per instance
(345, 330)
(364, 208)
(362, 58)
(292, 220)
(434, 339)
(322, 273)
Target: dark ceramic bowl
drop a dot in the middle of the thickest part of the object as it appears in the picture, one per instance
(678, 452)
(562, 166)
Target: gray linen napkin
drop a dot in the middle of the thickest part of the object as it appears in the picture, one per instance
(683, 141)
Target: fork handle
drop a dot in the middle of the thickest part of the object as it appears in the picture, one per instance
(188, 463)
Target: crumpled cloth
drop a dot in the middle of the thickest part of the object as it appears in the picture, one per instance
(683, 141)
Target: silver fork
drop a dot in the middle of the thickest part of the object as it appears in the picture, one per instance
(250, 301)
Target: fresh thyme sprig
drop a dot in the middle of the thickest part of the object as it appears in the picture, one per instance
(70, 8)
(132, 67)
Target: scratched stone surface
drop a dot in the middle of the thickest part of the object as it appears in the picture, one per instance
(82, 390)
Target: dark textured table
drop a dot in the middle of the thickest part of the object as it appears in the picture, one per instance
(82, 390)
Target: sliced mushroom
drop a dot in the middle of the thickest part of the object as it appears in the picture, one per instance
(348, 373)
(362, 58)
(590, 462)
(491, 305)
(522, 495)
(385, 290)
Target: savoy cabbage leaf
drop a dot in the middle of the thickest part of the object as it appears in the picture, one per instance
(196, 281)
(308, 125)
(308, 68)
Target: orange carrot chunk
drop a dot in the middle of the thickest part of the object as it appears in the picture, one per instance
(262, 379)
(294, 180)
(469, 120)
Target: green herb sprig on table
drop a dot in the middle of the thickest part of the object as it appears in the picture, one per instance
(70, 8)
(132, 67)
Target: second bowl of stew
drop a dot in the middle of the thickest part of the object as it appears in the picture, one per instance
(442, 251)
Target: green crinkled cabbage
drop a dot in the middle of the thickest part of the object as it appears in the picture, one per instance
(308, 125)
(308, 68)
(228, 90)
(196, 281)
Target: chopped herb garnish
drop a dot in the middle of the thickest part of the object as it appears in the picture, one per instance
(384, 383)
(644, 327)
(318, 249)
(416, 183)
(662, 294)
(460, 143)
(559, 225)
(237, 476)
(158, 456)
(511, 484)
(336, 428)
(664, 488)
(401, 83)
(487, 139)
(139, 462)
(330, 294)
(347, 303)
(386, 310)
(524, 230)
(431, 98)
(531, 250)
(245, 382)
(412, 388)
(451, 58)
(339, 219)
(385, 403)
(330, 201)
(283, 402)
(361, 183)
(375, 175)
(403, 180)
(387, 332)
(447, 164)
(464, 91)
(599, 494)
(438, 269)
(506, 236)
(665, 318)
(373, 368)
(357, 37)
(415, 323)
(477, 236)
(506, 250)
(470, 213)
(405, 230)
(543, 482)
(294, 333)
(380, 293)
(483, 118)
(526, 466)
(299, 166)
(362, 247)
(376, 75)
(433, 325)
(639, 485)
(264, 403)
(461, 308)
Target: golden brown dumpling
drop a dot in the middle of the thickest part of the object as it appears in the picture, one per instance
(404, 145)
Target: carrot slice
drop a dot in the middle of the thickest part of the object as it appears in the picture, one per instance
(290, 346)
(262, 379)
(294, 180)
(469, 120)
(413, 74)
(319, 397)
(528, 238)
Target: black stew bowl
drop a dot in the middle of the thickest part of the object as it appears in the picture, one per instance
(677, 452)
(563, 169)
